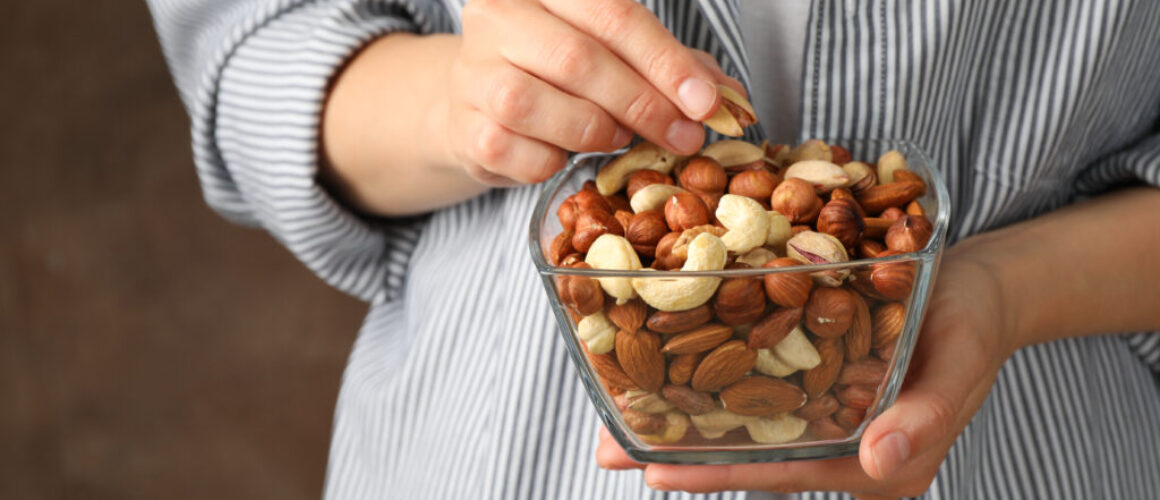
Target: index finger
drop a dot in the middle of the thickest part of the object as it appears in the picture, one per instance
(634, 34)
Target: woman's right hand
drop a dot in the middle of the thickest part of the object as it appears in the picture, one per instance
(533, 79)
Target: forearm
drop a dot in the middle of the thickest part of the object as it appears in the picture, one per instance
(382, 135)
(1086, 269)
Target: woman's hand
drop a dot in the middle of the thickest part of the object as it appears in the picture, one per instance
(418, 122)
(965, 339)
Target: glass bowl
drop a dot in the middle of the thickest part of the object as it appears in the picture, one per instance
(720, 397)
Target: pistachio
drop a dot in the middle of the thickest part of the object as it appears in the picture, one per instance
(822, 175)
(734, 114)
(811, 247)
(733, 153)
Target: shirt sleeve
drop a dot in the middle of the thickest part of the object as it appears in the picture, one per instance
(253, 75)
(1138, 164)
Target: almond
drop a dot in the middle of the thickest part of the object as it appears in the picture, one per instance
(739, 301)
(827, 428)
(628, 316)
(699, 339)
(886, 352)
(784, 288)
(758, 396)
(817, 408)
(725, 365)
(904, 175)
(643, 423)
(774, 327)
(857, 338)
(849, 418)
(841, 155)
(886, 324)
(688, 400)
(829, 312)
(681, 368)
(609, 370)
(674, 322)
(640, 356)
(855, 396)
(817, 380)
(875, 199)
(866, 372)
(876, 227)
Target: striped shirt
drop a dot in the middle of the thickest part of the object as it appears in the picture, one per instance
(459, 385)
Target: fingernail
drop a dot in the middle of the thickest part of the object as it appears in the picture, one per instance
(622, 137)
(697, 95)
(890, 452)
(685, 136)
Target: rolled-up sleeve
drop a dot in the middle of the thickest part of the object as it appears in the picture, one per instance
(253, 76)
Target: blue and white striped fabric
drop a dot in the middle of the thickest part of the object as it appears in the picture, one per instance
(459, 386)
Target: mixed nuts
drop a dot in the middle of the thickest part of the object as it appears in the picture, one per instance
(776, 358)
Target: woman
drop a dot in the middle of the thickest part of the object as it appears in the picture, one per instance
(333, 124)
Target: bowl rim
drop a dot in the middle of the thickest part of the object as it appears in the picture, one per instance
(935, 180)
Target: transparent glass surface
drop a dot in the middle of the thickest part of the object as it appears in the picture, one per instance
(706, 441)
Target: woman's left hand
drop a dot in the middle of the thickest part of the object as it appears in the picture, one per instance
(965, 340)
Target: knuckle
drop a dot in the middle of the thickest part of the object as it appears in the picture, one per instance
(616, 18)
(490, 145)
(512, 100)
(596, 133)
(942, 413)
(572, 57)
(642, 109)
(545, 168)
(664, 64)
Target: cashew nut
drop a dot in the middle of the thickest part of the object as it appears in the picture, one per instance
(597, 331)
(746, 220)
(676, 425)
(716, 423)
(610, 251)
(768, 364)
(797, 351)
(757, 257)
(821, 174)
(776, 429)
(889, 162)
(647, 402)
(780, 231)
(706, 253)
(614, 176)
(732, 152)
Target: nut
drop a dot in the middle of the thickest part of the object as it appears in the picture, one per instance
(759, 396)
(861, 175)
(909, 234)
(640, 357)
(733, 153)
(613, 177)
(827, 428)
(841, 155)
(842, 219)
(641, 422)
(676, 425)
(581, 293)
(829, 312)
(703, 175)
(915, 208)
(886, 352)
(814, 149)
(892, 214)
(723, 366)
(614, 252)
(858, 336)
(888, 163)
(685, 210)
(855, 396)
(681, 247)
(700, 339)
(769, 364)
(849, 418)
(797, 200)
(597, 332)
(875, 199)
(619, 203)
(647, 402)
(756, 184)
(903, 175)
(681, 368)
(757, 257)
(560, 247)
(734, 114)
(628, 316)
(817, 380)
(739, 301)
(644, 232)
(688, 400)
(664, 253)
(810, 247)
(776, 429)
(784, 288)
(706, 253)
(892, 280)
(642, 178)
(796, 350)
(773, 328)
(869, 249)
(776, 154)
(567, 214)
(653, 197)
(591, 225)
(887, 323)
(679, 321)
(746, 220)
(589, 200)
(714, 424)
(822, 175)
(610, 372)
(780, 231)
(819, 407)
(876, 227)
(868, 372)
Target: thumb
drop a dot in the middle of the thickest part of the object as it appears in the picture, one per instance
(930, 410)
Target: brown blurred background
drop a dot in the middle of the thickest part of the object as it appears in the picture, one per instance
(148, 348)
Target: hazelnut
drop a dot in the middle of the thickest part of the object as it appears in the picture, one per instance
(841, 155)
(590, 225)
(567, 213)
(739, 301)
(892, 214)
(829, 311)
(756, 184)
(787, 289)
(892, 280)
(645, 231)
(841, 219)
(591, 201)
(704, 175)
(843, 193)
(581, 293)
(797, 200)
(624, 217)
(711, 202)
(664, 253)
(685, 210)
(561, 246)
(618, 202)
(646, 177)
(909, 234)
